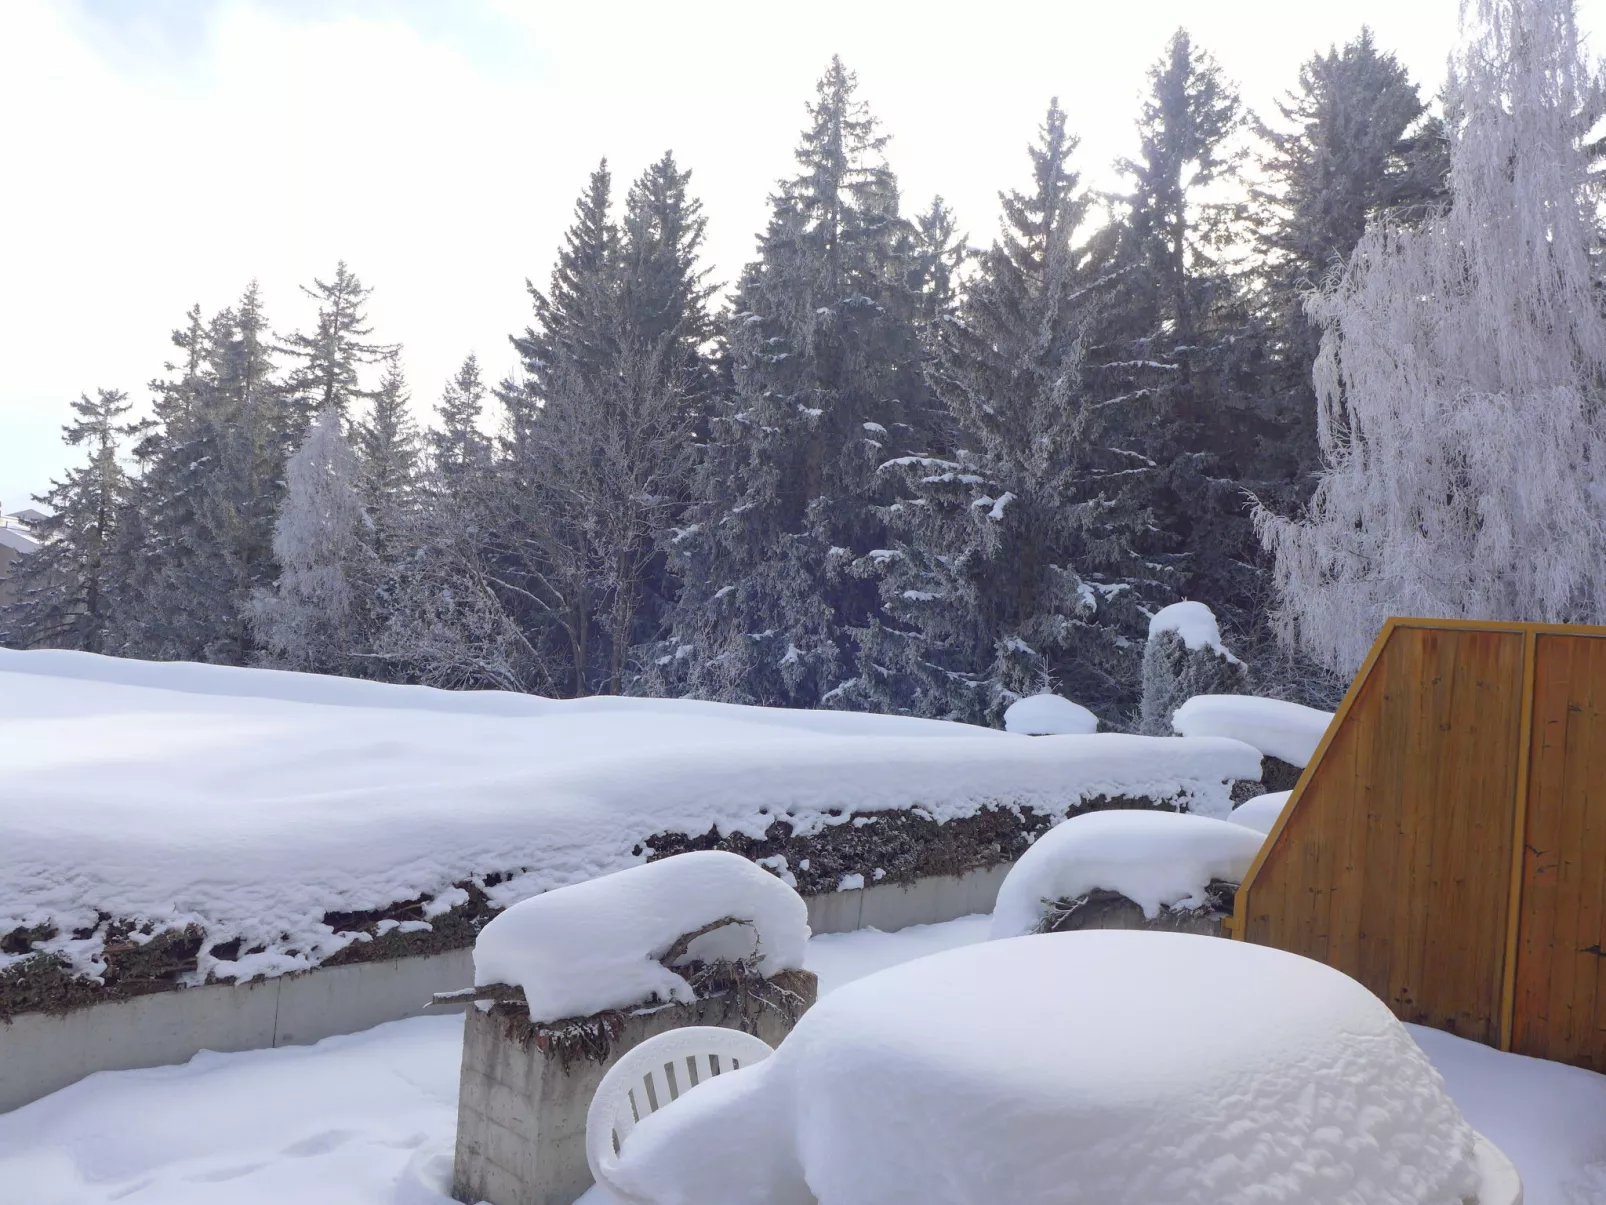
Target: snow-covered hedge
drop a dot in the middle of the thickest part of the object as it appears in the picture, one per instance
(250, 822)
(1155, 859)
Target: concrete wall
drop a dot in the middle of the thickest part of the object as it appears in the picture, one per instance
(40, 1053)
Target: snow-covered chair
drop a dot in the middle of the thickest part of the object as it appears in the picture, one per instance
(647, 1078)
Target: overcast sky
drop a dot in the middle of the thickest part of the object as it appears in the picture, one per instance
(159, 153)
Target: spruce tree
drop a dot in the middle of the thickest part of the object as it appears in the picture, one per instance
(68, 590)
(1355, 145)
(387, 445)
(330, 357)
(458, 448)
(824, 385)
(1014, 570)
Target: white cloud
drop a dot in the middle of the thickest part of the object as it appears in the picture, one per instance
(440, 155)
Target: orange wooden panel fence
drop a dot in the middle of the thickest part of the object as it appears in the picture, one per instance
(1398, 859)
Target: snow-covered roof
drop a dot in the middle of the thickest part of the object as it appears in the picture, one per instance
(252, 802)
(18, 539)
(1287, 731)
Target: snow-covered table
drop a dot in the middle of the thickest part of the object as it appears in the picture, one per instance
(1105, 1067)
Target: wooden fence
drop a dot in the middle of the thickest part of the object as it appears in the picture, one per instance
(1446, 846)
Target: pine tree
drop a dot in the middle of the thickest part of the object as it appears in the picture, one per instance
(1358, 147)
(1013, 569)
(1169, 354)
(824, 364)
(213, 470)
(458, 448)
(1461, 371)
(68, 590)
(387, 446)
(331, 356)
(316, 617)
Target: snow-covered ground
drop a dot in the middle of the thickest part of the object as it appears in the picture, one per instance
(367, 1119)
(251, 802)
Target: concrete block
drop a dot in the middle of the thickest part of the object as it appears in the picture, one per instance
(522, 1113)
(835, 912)
(926, 901)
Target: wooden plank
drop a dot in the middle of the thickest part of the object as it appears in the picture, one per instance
(1560, 998)
(1519, 829)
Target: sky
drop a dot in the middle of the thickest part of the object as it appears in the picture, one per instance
(156, 154)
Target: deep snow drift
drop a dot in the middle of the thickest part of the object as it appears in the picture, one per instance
(595, 945)
(1090, 1068)
(368, 1119)
(1156, 859)
(1261, 812)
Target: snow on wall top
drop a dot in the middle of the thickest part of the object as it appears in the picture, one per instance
(251, 802)
(1289, 732)
(595, 945)
(1049, 715)
(1154, 859)
(1194, 623)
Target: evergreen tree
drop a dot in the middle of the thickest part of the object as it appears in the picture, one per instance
(458, 449)
(1358, 147)
(824, 364)
(1462, 368)
(387, 446)
(1013, 571)
(1170, 355)
(68, 589)
(330, 357)
(316, 616)
(213, 470)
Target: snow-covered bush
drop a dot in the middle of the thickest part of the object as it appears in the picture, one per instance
(1155, 859)
(1184, 657)
(1049, 715)
(597, 945)
(1289, 732)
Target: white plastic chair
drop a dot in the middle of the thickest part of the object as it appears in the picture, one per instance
(648, 1077)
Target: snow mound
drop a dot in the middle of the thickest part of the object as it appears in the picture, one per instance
(1289, 732)
(1194, 624)
(253, 803)
(1091, 1068)
(1155, 859)
(596, 945)
(1261, 812)
(1049, 715)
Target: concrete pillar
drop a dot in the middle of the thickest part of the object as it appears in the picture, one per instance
(521, 1114)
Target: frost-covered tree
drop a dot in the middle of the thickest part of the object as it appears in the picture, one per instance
(316, 616)
(68, 589)
(1012, 571)
(1463, 371)
(458, 449)
(825, 380)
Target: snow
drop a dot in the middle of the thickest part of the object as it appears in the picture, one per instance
(1156, 859)
(1261, 812)
(1289, 732)
(252, 802)
(368, 1119)
(1100, 1067)
(1194, 623)
(1049, 715)
(594, 946)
